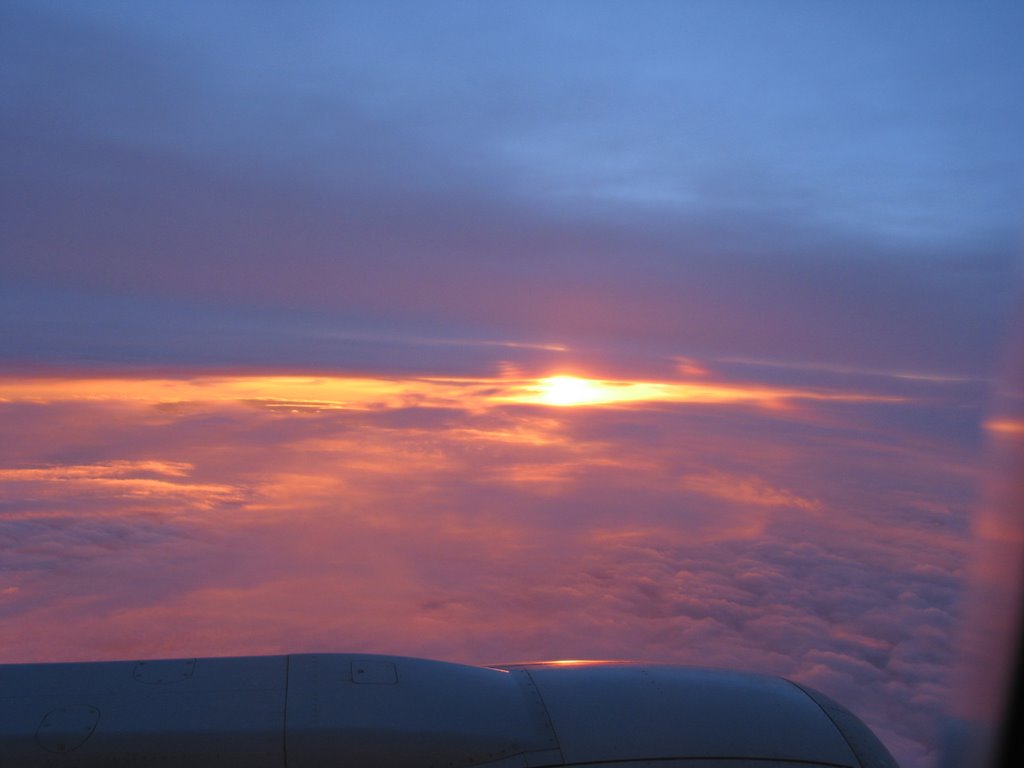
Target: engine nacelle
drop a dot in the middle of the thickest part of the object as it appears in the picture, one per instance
(318, 710)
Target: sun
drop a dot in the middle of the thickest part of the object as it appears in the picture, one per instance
(570, 390)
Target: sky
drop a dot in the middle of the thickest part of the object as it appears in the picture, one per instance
(500, 331)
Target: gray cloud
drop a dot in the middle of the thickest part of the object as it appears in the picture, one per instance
(597, 192)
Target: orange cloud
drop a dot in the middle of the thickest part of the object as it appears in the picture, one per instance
(1006, 427)
(317, 393)
(124, 478)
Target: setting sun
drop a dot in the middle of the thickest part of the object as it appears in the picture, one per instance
(569, 390)
(564, 390)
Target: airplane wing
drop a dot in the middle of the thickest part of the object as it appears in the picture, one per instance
(319, 710)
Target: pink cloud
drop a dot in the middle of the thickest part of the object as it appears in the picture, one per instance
(214, 519)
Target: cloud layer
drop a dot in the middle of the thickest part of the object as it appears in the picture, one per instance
(205, 517)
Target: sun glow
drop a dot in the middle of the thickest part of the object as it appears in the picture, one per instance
(569, 390)
(314, 394)
(566, 390)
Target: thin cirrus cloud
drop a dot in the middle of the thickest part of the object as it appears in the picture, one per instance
(141, 480)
